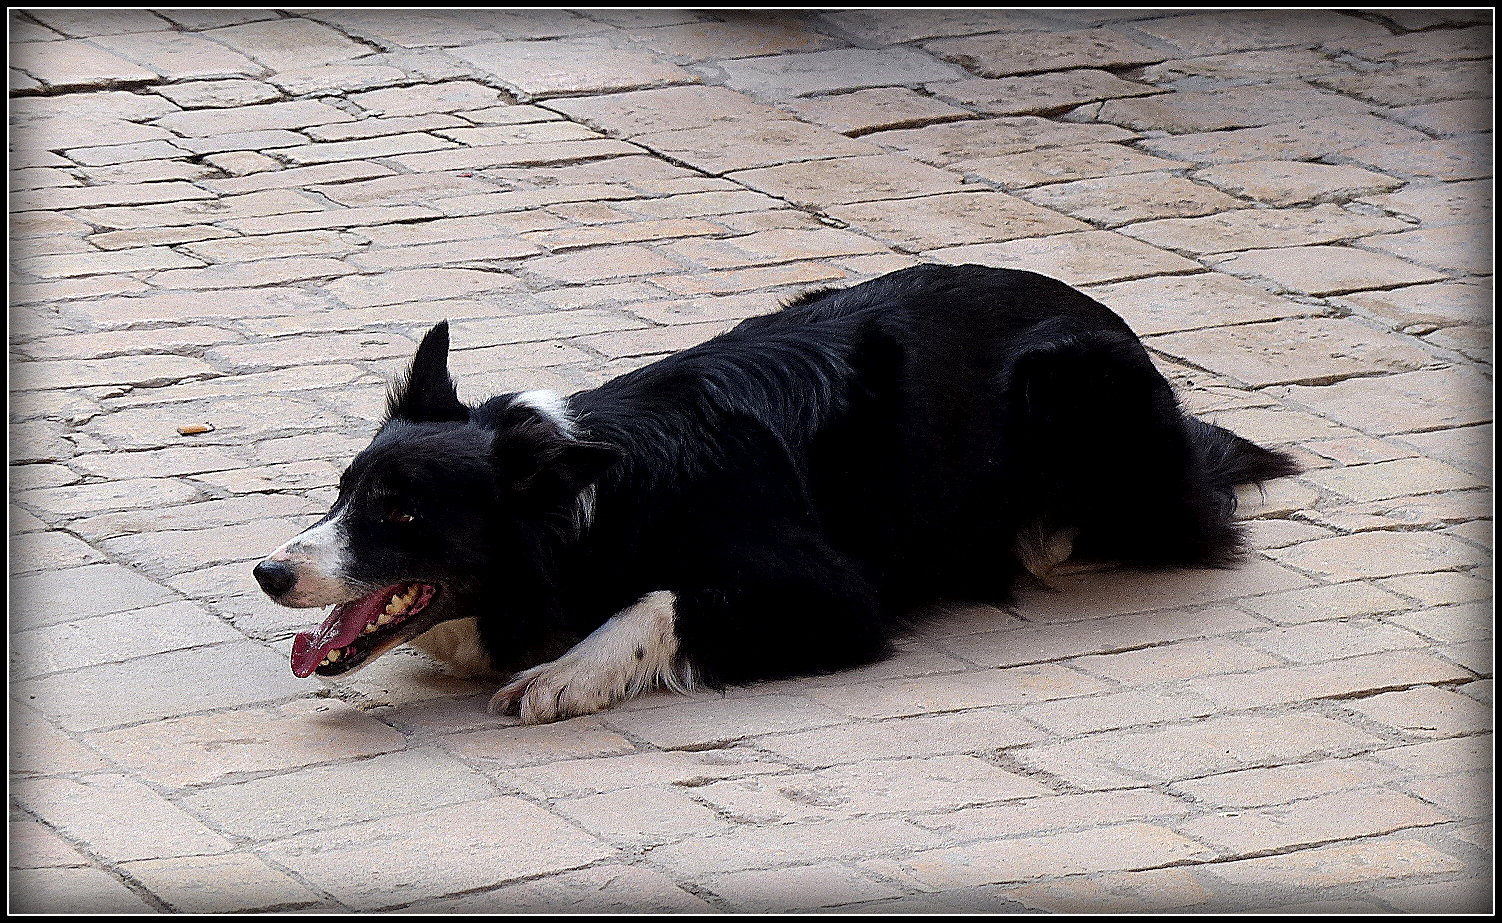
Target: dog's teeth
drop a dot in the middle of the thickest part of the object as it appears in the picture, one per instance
(333, 655)
(370, 628)
(398, 605)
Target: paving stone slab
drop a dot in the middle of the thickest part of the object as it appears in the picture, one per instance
(227, 883)
(940, 783)
(1163, 304)
(726, 146)
(1325, 270)
(1127, 846)
(283, 44)
(1083, 258)
(1404, 403)
(845, 180)
(646, 111)
(316, 798)
(1249, 228)
(1238, 107)
(1117, 200)
(953, 218)
(1380, 554)
(72, 65)
(131, 691)
(1316, 820)
(958, 143)
(1446, 159)
(417, 28)
(1238, 68)
(1289, 182)
(754, 846)
(1116, 892)
(864, 111)
(1218, 32)
(387, 863)
(73, 890)
(1341, 864)
(736, 34)
(139, 259)
(919, 735)
(877, 28)
(1460, 44)
(1437, 204)
(553, 68)
(1426, 712)
(1447, 119)
(607, 888)
(804, 74)
(179, 56)
(85, 809)
(1310, 139)
(1004, 54)
(1055, 165)
(143, 631)
(1294, 351)
(802, 887)
(1460, 249)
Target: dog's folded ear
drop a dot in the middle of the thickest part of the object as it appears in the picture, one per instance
(535, 458)
(428, 394)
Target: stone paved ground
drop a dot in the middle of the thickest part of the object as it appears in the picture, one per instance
(244, 219)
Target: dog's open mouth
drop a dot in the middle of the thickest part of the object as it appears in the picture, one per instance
(359, 629)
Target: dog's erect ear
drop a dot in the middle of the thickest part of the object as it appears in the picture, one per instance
(428, 394)
(536, 458)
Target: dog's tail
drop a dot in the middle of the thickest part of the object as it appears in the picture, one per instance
(1228, 460)
(1225, 462)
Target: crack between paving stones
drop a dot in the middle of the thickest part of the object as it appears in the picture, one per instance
(1303, 847)
(97, 860)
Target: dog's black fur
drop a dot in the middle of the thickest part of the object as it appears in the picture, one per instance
(802, 482)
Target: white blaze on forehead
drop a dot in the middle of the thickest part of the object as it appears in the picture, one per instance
(318, 558)
(552, 406)
(322, 544)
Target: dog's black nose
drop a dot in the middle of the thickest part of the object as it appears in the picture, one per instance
(275, 577)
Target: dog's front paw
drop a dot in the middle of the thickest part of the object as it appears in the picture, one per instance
(564, 688)
(636, 650)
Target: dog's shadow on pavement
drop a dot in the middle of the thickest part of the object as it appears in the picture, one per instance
(1072, 614)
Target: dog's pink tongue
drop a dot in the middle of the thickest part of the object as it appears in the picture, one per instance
(340, 629)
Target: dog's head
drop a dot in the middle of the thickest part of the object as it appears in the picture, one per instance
(447, 511)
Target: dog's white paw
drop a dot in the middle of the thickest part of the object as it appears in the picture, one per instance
(570, 686)
(637, 649)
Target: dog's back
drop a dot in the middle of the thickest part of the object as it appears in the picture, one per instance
(943, 425)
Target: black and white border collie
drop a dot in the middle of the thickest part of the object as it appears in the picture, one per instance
(774, 502)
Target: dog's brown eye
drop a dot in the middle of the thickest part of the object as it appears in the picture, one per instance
(400, 516)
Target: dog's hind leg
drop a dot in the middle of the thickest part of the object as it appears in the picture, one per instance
(1142, 483)
(636, 650)
(1042, 550)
